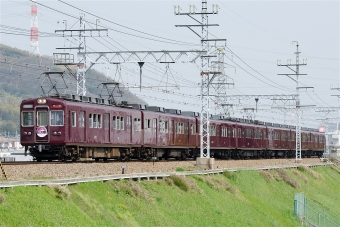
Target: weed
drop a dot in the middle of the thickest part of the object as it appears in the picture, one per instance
(2, 199)
(180, 169)
(230, 175)
(298, 173)
(286, 178)
(62, 192)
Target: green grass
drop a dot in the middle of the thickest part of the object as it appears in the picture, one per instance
(242, 198)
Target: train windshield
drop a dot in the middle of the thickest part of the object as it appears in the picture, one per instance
(42, 118)
(57, 117)
(27, 118)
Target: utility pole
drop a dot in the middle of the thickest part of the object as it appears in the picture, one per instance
(298, 105)
(205, 68)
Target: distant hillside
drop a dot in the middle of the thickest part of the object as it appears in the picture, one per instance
(21, 78)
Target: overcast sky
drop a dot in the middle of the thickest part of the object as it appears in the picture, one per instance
(258, 33)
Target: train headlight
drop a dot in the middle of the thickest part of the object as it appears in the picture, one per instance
(54, 133)
(29, 133)
(25, 133)
(41, 101)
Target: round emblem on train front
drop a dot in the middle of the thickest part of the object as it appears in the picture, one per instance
(41, 131)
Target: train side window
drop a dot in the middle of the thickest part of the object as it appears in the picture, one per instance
(162, 126)
(213, 130)
(239, 135)
(234, 132)
(121, 123)
(288, 136)
(73, 119)
(81, 119)
(90, 121)
(114, 126)
(147, 124)
(265, 135)
(27, 119)
(193, 129)
(154, 124)
(99, 123)
(180, 128)
(95, 121)
(137, 124)
(224, 132)
(167, 127)
(229, 131)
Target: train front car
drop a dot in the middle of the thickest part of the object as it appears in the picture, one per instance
(42, 128)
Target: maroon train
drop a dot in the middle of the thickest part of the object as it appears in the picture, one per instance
(81, 128)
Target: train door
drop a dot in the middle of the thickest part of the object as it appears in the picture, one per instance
(107, 128)
(172, 132)
(42, 127)
(81, 127)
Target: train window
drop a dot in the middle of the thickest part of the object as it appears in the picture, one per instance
(42, 118)
(154, 124)
(180, 128)
(106, 121)
(162, 126)
(81, 119)
(114, 124)
(234, 132)
(27, 119)
(57, 117)
(224, 132)
(137, 124)
(90, 121)
(193, 129)
(213, 130)
(239, 133)
(95, 122)
(288, 136)
(99, 123)
(73, 119)
(166, 126)
(248, 133)
(147, 124)
(121, 123)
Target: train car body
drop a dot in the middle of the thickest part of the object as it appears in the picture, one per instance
(76, 128)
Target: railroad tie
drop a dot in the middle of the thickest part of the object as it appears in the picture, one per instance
(3, 170)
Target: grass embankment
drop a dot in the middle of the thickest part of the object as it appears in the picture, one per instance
(244, 198)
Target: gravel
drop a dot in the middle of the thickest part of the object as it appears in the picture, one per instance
(68, 170)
